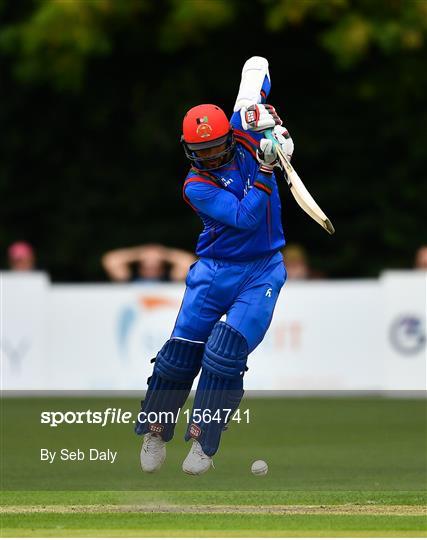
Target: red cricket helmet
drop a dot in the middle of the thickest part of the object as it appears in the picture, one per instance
(203, 127)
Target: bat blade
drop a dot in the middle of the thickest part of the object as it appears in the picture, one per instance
(300, 192)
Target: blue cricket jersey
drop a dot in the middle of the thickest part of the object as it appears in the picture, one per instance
(241, 222)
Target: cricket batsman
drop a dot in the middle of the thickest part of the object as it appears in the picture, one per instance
(232, 290)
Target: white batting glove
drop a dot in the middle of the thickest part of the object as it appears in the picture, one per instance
(267, 156)
(285, 140)
(258, 117)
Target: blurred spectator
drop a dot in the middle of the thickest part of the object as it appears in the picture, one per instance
(297, 264)
(150, 262)
(421, 258)
(21, 257)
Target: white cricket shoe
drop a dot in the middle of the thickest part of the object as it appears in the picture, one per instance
(197, 462)
(153, 453)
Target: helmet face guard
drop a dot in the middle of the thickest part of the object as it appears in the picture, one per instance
(206, 163)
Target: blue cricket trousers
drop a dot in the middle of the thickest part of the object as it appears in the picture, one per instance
(246, 292)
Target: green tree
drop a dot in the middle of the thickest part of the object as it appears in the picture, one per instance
(93, 92)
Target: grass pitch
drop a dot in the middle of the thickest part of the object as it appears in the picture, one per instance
(215, 514)
(338, 467)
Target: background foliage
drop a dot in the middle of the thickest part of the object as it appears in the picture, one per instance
(92, 94)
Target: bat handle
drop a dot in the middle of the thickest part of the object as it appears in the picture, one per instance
(269, 135)
(285, 164)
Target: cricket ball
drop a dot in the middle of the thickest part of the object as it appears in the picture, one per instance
(259, 468)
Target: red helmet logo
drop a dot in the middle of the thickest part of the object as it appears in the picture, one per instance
(204, 130)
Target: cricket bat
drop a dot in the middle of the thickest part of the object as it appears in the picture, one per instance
(299, 191)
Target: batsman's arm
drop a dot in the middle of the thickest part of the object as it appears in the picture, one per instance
(226, 208)
(255, 83)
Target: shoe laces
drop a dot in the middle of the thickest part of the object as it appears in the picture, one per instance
(197, 449)
(153, 443)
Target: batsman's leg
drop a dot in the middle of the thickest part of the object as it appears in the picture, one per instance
(253, 309)
(227, 349)
(220, 388)
(175, 367)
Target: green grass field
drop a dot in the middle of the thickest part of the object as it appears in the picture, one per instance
(337, 467)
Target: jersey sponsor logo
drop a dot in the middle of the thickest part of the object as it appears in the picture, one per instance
(226, 181)
(268, 292)
(248, 186)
